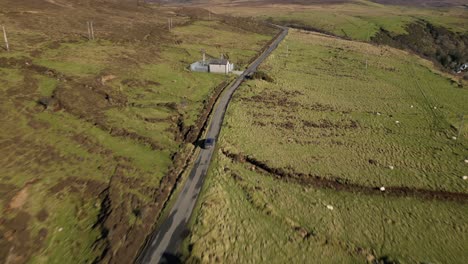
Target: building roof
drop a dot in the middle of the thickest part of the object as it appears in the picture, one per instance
(218, 61)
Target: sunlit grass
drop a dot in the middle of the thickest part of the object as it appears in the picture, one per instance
(412, 132)
(246, 214)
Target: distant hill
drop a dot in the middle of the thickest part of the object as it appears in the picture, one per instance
(424, 3)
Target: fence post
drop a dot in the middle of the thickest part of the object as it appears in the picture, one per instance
(89, 30)
(92, 30)
(6, 39)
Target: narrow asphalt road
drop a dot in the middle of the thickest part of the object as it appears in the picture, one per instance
(164, 243)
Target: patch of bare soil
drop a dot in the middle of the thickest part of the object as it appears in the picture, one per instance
(139, 83)
(325, 123)
(42, 215)
(36, 124)
(288, 125)
(91, 145)
(273, 99)
(16, 243)
(88, 98)
(339, 184)
(118, 240)
(26, 64)
(261, 75)
(20, 198)
(122, 132)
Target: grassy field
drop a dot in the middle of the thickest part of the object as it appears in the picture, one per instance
(90, 129)
(324, 102)
(359, 20)
(327, 118)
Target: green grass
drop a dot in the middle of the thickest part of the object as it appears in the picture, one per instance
(141, 155)
(247, 215)
(219, 39)
(325, 80)
(256, 219)
(10, 77)
(359, 20)
(130, 120)
(67, 142)
(47, 86)
(175, 82)
(81, 58)
(65, 238)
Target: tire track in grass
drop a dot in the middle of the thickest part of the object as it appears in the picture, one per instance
(382, 211)
(437, 124)
(416, 99)
(333, 88)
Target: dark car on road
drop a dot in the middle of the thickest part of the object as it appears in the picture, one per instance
(209, 142)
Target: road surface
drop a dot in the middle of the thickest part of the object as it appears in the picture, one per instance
(164, 243)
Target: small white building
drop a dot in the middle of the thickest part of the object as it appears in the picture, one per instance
(220, 66)
(199, 66)
(213, 65)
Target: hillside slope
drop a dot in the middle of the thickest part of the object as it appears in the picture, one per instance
(421, 3)
(343, 152)
(94, 133)
(439, 34)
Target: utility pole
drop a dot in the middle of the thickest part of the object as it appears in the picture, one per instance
(92, 30)
(204, 56)
(287, 50)
(6, 39)
(89, 30)
(462, 118)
